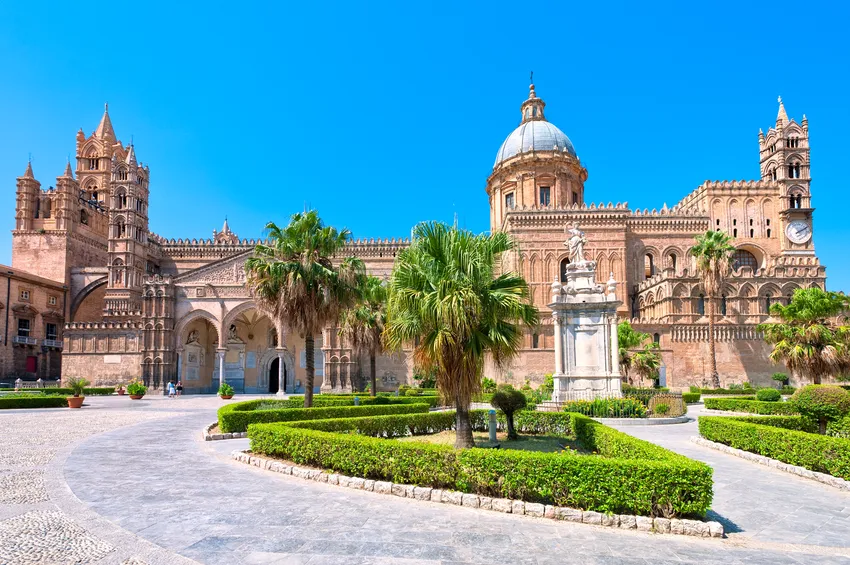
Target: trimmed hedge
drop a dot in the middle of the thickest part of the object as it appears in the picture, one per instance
(365, 400)
(750, 406)
(691, 397)
(824, 454)
(726, 391)
(33, 402)
(627, 475)
(94, 391)
(241, 414)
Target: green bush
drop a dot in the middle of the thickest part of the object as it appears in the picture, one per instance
(488, 386)
(768, 395)
(34, 401)
(413, 392)
(750, 406)
(225, 390)
(822, 403)
(627, 476)
(693, 388)
(509, 400)
(77, 385)
(236, 417)
(690, 397)
(813, 451)
(788, 389)
(839, 428)
(607, 408)
(135, 387)
(89, 391)
(739, 391)
(661, 408)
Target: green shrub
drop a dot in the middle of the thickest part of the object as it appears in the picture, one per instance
(691, 397)
(77, 385)
(225, 390)
(607, 408)
(693, 388)
(781, 378)
(402, 389)
(89, 391)
(509, 400)
(413, 392)
(627, 476)
(661, 408)
(33, 401)
(236, 417)
(787, 389)
(822, 403)
(136, 387)
(813, 451)
(488, 386)
(768, 395)
(839, 428)
(739, 391)
(750, 406)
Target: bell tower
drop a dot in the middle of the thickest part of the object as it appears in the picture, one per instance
(784, 160)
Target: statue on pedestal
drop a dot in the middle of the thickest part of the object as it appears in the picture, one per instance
(575, 244)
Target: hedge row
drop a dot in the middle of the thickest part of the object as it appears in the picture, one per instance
(627, 475)
(348, 400)
(33, 402)
(690, 397)
(94, 391)
(750, 406)
(237, 417)
(815, 452)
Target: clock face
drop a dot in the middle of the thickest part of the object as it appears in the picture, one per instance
(799, 231)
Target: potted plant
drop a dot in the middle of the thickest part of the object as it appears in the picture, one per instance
(120, 390)
(225, 391)
(77, 385)
(136, 390)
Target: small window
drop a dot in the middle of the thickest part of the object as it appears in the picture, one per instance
(768, 232)
(93, 164)
(575, 197)
(649, 265)
(25, 295)
(743, 258)
(51, 300)
(545, 195)
(701, 305)
(752, 233)
(534, 111)
(673, 261)
(656, 338)
(768, 300)
(734, 222)
(723, 305)
(509, 201)
(564, 263)
(535, 341)
(24, 327)
(84, 217)
(50, 331)
(718, 223)
(735, 232)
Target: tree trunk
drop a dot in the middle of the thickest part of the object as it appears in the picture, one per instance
(822, 426)
(511, 429)
(372, 373)
(715, 376)
(463, 429)
(309, 347)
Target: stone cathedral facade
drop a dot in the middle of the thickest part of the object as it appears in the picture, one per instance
(139, 305)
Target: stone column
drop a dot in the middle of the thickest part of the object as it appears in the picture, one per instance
(559, 346)
(220, 353)
(281, 385)
(180, 364)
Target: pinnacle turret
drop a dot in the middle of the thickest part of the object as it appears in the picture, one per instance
(781, 116)
(104, 129)
(28, 173)
(131, 156)
(68, 172)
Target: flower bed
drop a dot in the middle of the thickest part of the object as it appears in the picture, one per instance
(750, 406)
(236, 417)
(24, 400)
(785, 439)
(625, 475)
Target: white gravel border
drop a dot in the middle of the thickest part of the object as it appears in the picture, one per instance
(215, 437)
(695, 528)
(836, 482)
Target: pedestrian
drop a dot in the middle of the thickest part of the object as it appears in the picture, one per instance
(179, 388)
(171, 390)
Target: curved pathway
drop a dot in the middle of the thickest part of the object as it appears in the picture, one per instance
(157, 480)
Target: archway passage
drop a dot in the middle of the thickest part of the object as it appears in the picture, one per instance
(274, 371)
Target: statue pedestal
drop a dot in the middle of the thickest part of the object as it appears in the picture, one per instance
(586, 351)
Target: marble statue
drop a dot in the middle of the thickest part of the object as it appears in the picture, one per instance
(575, 244)
(193, 337)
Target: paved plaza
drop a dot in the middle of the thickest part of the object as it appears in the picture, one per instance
(124, 482)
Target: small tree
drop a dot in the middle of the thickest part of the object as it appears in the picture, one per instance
(647, 362)
(822, 403)
(811, 338)
(628, 339)
(509, 400)
(780, 378)
(363, 324)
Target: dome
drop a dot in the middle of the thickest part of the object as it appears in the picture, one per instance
(534, 135)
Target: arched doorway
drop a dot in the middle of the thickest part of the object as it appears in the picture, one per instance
(274, 373)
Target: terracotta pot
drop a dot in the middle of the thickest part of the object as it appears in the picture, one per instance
(120, 391)
(226, 396)
(136, 396)
(75, 401)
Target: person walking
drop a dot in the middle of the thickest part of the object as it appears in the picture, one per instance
(179, 388)
(171, 390)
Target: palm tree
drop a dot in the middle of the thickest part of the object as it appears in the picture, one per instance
(628, 339)
(446, 298)
(647, 362)
(363, 324)
(294, 281)
(812, 338)
(713, 252)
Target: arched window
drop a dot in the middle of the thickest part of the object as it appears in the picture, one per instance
(510, 202)
(535, 341)
(673, 261)
(767, 302)
(743, 258)
(84, 217)
(649, 265)
(564, 262)
(723, 305)
(656, 338)
(701, 305)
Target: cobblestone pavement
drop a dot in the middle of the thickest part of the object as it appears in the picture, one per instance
(156, 481)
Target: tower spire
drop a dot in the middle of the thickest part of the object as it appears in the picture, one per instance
(781, 116)
(28, 173)
(104, 129)
(532, 108)
(68, 172)
(131, 156)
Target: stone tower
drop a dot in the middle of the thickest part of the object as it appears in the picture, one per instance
(536, 167)
(784, 159)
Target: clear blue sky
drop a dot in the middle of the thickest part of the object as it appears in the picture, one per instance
(383, 115)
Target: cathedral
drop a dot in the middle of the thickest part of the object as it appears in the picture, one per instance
(136, 305)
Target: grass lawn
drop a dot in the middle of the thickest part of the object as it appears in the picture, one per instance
(544, 444)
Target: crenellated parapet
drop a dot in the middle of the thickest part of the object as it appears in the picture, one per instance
(104, 325)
